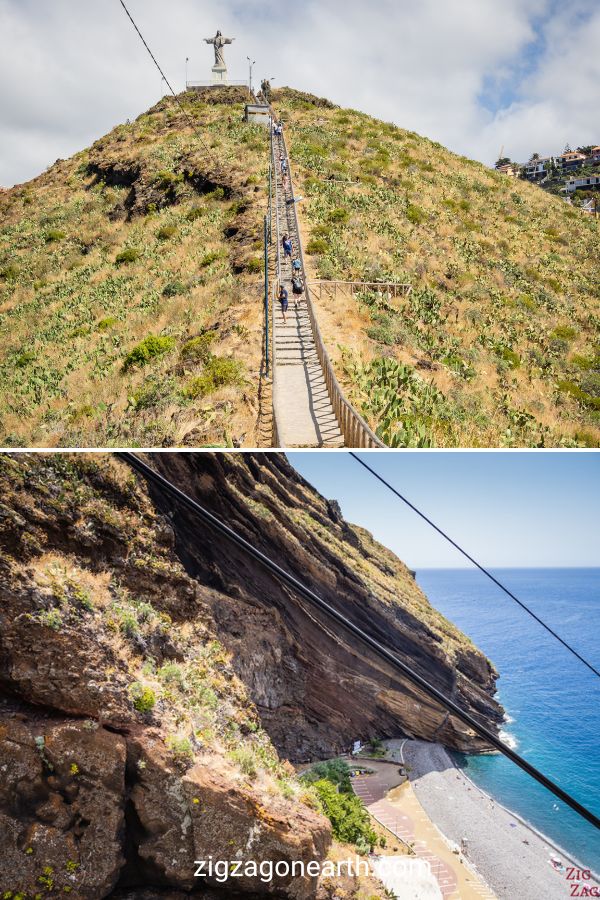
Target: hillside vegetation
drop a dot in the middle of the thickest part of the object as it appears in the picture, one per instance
(154, 680)
(497, 345)
(130, 286)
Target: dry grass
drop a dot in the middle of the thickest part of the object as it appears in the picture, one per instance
(70, 313)
(496, 267)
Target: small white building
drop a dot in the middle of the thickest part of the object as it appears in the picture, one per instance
(258, 114)
(590, 183)
(538, 168)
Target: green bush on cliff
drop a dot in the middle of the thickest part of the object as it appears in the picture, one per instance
(148, 349)
(143, 697)
(334, 770)
(349, 819)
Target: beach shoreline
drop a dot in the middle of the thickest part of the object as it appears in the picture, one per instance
(507, 852)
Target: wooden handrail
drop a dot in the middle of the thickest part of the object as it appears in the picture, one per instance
(276, 430)
(355, 430)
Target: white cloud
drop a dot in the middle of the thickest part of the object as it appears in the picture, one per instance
(70, 70)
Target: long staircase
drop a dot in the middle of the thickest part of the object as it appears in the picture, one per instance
(309, 408)
(305, 416)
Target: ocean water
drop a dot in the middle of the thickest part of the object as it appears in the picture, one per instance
(552, 700)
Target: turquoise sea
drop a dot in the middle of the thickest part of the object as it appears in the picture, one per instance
(552, 700)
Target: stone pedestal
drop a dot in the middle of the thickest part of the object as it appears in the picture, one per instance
(219, 75)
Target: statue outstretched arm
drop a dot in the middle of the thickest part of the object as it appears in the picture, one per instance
(209, 40)
(229, 40)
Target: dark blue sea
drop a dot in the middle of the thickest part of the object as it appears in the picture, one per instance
(552, 700)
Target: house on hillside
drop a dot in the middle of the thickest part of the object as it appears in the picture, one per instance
(537, 167)
(513, 170)
(589, 183)
(594, 156)
(570, 160)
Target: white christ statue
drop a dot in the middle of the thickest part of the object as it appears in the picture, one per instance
(219, 43)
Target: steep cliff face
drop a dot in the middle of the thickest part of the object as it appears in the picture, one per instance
(148, 670)
(317, 690)
(128, 746)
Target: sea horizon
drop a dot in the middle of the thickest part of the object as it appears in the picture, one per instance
(552, 718)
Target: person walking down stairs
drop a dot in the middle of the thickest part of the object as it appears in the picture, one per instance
(283, 299)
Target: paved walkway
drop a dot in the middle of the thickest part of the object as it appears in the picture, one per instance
(305, 416)
(400, 812)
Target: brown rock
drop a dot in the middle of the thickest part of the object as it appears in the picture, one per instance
(61, 807)
(211, 812)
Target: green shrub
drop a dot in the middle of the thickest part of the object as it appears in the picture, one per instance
(311, 185)
(217, 194)
(339, 215)
(147, 350)
(335, 770)
(245, 759)
(210, 258)
(219, 372)
(197, 350)
(143, 697)
(10, 273)
(166, 233)
(128, 256)
(167, 179)
(513, 359)
(564, 332)
(51, 618)
(54, 236)
(382, 333)
(587, 438)
(180, 747)
(552, 233)
(590, 384)
(415, 214)
(106, 324)
(196, 213)
(254, 265)
(349, 819)
(173, 288)
(585, 362)
(316, 246)
(171, 673)
(24, 359)
(151, 393)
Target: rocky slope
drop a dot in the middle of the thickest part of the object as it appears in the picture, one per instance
(316, 691)
(147, 671)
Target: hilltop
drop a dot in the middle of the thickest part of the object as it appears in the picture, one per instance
(131, 286)
(156, 681)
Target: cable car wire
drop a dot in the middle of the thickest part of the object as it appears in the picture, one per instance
(481, 568)
(168, 83)
(139, 466)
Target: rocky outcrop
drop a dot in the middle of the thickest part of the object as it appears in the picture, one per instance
(147, 668)
(315, 687)
(128, 746)
(61, 806)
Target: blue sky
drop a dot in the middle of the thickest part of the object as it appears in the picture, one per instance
(473, 74)
(507, 509)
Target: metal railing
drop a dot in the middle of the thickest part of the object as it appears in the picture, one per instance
(390, 288)
(229, 83)
(354, 429)
(275, 211)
